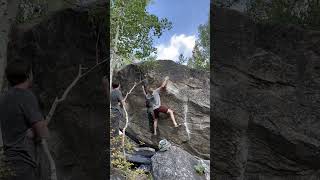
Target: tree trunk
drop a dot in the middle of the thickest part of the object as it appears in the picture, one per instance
(113, 54)
(115, 48)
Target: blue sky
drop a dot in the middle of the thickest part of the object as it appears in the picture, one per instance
(186, 16)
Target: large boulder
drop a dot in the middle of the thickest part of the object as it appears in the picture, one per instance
(56, 45)
(175, 163)
(265, 85)
(187, 94)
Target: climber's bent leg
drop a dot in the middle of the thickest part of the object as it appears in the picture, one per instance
(165, 109)
(172, 117)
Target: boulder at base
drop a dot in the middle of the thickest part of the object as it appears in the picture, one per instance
(175, 163)
(187, 94)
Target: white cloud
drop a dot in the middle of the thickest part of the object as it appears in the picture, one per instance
(179, 44)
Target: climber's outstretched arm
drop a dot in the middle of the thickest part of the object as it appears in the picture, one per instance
(164, 83)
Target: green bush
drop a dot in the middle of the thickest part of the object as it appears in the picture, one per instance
(5, 171)
(119, 161)
(31, 9)
(200, 169)
(304, 13)
(149, 65)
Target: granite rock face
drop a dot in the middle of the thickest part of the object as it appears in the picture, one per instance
(266, 99)
(56, 45)
(187, 94)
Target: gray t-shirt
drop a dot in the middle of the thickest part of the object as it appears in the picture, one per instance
(116, 97)
(157, 101)
(19, 110)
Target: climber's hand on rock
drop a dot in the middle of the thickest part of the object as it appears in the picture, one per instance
(166, 78)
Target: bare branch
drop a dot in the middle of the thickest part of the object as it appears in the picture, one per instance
(95, 66)
(48, 119)
(53, 169)
(66, 92)
(125, 127)
(63, 97)
(135, 84)
(126, 113)
(52, 110)
(125, 98)
(74, 82)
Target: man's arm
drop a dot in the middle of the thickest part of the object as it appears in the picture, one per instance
(144, 91)
(123, 103)
(121, 99)
(41, 129)
(164, 83)
(34, 117)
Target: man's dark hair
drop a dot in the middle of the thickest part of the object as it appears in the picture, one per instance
(115, 84)
(17, 72)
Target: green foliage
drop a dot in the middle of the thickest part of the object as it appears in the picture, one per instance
(98, 15)
(201, 52)
(31, 9)
(149, 65)
(5, 171)
(182, 59)
(204, 39)
(119, 161)
(224, 3)
(300, 12)
(200, 169)
(135, 27)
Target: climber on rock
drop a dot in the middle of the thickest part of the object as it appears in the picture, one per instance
(149, 105)
(22, 123)
(116, 111)
(157, 107)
